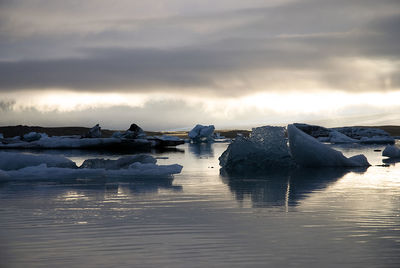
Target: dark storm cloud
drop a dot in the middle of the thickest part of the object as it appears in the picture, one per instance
(187, 53)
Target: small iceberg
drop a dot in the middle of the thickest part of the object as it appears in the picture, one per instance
(309, 152)
(201, 133)
(391, 151)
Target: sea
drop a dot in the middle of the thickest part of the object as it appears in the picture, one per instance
(204, 217)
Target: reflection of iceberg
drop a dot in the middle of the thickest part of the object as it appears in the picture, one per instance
(309, 152)
(281, 188)
(201, 149)
(32, 167)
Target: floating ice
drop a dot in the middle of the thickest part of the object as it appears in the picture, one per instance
(32, 136)
(337, 137)
(391, 151)
(94, 132)
(309, 152)
(31, 167)
(13, 161)
(201, 133)
(350, 134)
(54, 173)
(121, 163)
(265, 148)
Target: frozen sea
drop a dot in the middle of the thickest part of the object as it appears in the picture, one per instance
(199, 218)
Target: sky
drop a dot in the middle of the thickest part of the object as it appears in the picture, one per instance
(168, 65)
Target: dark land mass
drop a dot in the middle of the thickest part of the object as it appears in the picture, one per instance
(12, 131)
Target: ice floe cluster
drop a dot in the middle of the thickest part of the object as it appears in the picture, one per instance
(267, 147)
(132, 139)
(33, 166)
(347, 134)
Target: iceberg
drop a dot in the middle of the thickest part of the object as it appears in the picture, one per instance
(337, 137)
(32, 136)
(94, 132)
(266, 148)
(14, 161)
(201, 133)
(391, 151)
(120, 163)
(309, 152)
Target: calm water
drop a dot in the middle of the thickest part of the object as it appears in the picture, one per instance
(309, 218)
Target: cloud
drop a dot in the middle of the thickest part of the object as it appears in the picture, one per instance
(184, 47)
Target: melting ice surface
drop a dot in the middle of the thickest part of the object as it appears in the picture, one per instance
(316, 217)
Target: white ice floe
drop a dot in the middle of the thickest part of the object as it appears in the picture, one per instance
(53, 173)
(309, 152)
(265, 148)
(201, 133)
(94, 132)
(377, 140)
(14, 161)
(391, 151)
(63, 142)
(33, 136)
(32, 167)
(121, 163)
(337, 137)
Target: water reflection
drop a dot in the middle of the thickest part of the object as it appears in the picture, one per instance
(282, 187)
(202, 150)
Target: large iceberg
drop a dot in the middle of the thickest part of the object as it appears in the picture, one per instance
(266, 148)
(391, 151)
(201, 133)
(309, 152)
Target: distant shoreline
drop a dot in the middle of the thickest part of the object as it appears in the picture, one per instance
(12, 131)
(19, 130)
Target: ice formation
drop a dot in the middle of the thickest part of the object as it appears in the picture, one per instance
(201, 133)
(14, 161)
(309, 152)
(94, 132)
(31, 167)
(265, 148)
(347, 134)
(121, 163)
(391, 151)
(32, 136)
(337, 137)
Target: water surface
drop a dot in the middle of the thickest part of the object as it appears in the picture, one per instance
(199, 218)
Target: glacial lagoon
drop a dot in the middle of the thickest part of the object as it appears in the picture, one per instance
(204, 218)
